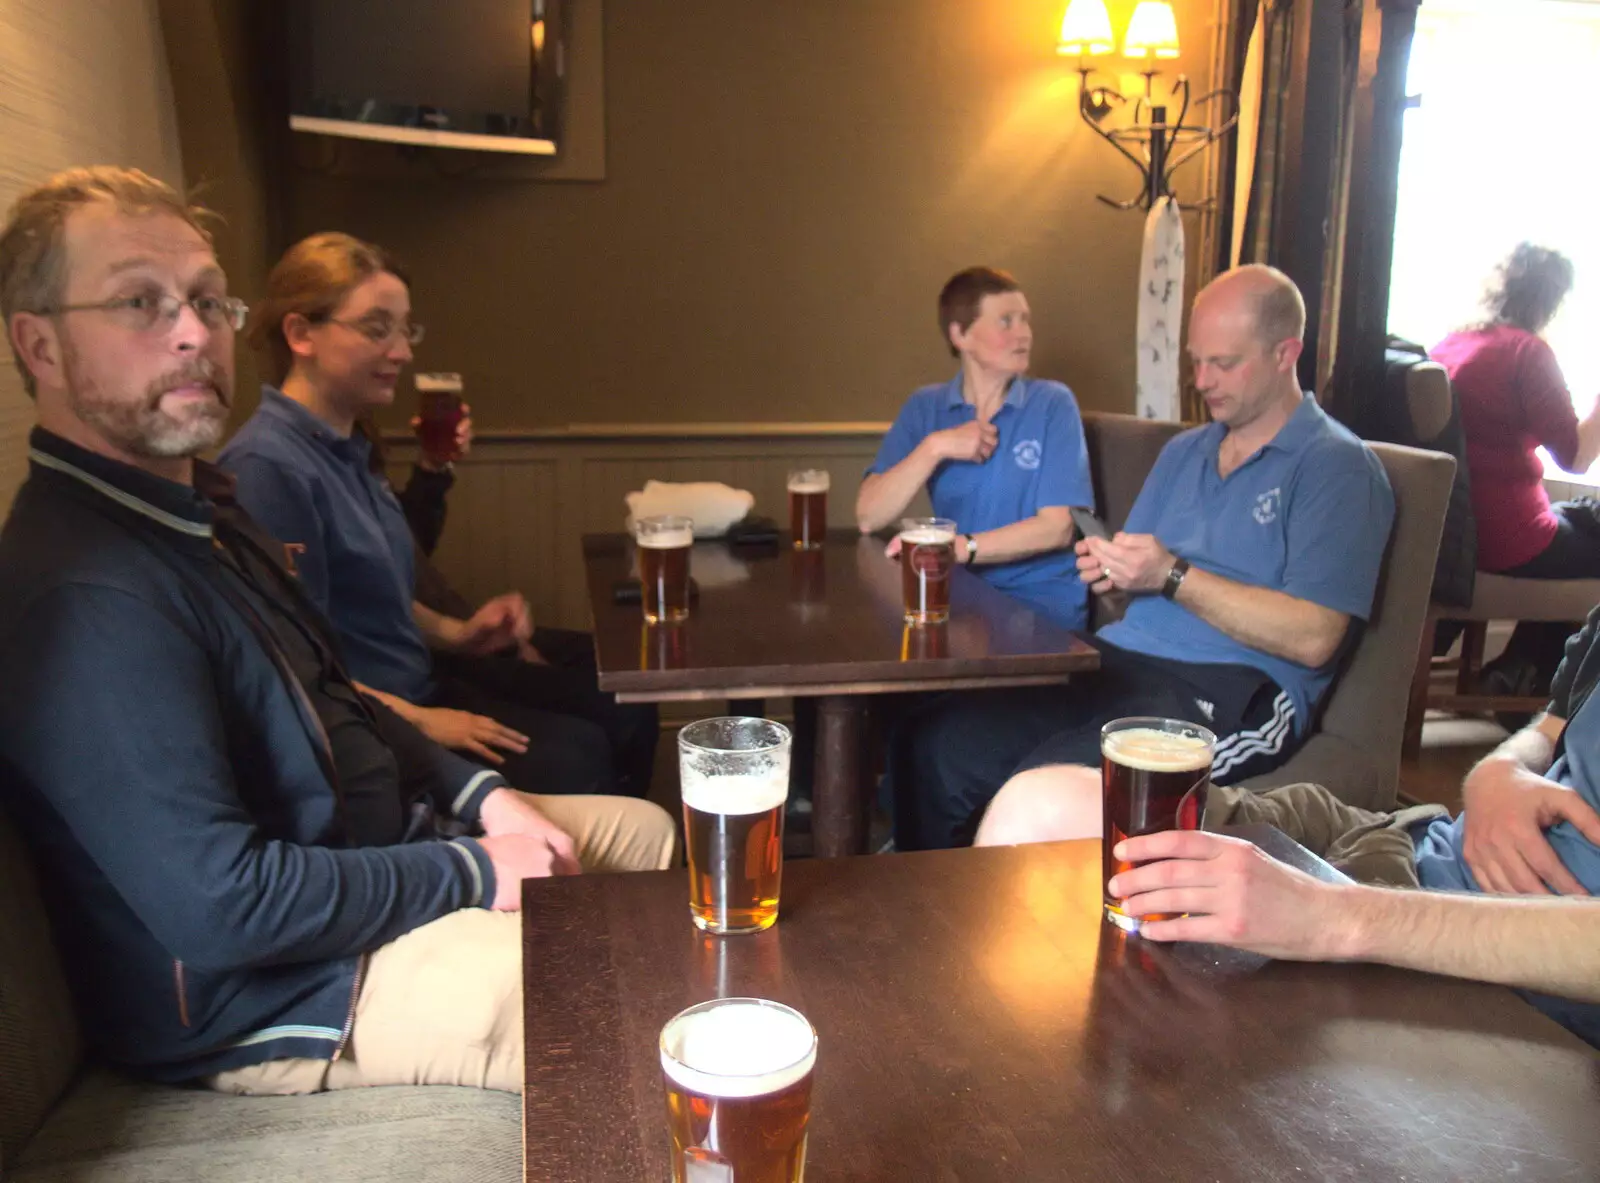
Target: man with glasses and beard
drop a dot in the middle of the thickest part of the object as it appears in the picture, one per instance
(264, 856)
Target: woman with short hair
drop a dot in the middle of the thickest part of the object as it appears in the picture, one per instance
(1002, 454)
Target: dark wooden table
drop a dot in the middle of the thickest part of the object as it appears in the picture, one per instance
(824, 624)
(978, 1021)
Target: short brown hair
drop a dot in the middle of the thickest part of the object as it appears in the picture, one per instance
(313, 278)
(33, 264)
(961, 298)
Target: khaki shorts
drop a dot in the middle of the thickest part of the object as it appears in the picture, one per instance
(443, 1003)
(1369, 847)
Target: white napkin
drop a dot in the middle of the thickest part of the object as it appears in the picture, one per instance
(711, 505)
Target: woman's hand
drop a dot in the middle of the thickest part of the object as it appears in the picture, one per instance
(972, 442)
(463, 731)
(501, 623)
(463, 442)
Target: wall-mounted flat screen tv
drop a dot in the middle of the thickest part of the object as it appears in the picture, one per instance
(476, 74)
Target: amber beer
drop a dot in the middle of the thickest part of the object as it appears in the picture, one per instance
(735, 778)
(664, 544)
(808, 508)
(1154, 775)
(738, 1082)
(927, 555)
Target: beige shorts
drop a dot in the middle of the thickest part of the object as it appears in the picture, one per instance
(443, 1003)
(1369, 847)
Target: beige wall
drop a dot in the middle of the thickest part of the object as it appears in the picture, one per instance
(787, 185)
(85, 82)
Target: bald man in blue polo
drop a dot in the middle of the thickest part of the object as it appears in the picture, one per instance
(1251, 560)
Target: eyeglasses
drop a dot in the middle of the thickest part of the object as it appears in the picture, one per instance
(380, 332)
(149, 311)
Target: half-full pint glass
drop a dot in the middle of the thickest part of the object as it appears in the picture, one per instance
(664, 544)
(927, 555)
(808, 507)
(1153, 776)
(735, 775)
(738, 1080)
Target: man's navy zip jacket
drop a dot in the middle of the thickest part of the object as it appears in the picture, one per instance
(212, 892)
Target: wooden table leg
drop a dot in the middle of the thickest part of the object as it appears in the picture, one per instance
(839, 805)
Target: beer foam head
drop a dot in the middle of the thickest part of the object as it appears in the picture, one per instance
(736, 793)
(667, 539)
(738, 1047)
(926, 535)
(1150, 749)
(809, 482)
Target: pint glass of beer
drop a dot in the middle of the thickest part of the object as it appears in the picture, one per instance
(927, 555)
(1153, 776)
(808, 507)
(664, 544)
(735, 775)
(738, 1080)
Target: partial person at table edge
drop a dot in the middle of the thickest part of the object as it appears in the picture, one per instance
(1001, 453)
(1529, 826)
(1251, 560)
(1514, 400)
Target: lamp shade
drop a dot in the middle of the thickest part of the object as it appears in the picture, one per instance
(1152, 31)
(1086, 30)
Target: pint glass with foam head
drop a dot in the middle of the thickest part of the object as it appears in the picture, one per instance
(664, 543)
(927, 556)
(808, 507)
(1154, 774)
(738, 1080)
(735, 775)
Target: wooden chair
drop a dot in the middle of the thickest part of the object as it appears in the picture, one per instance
(1494, 597)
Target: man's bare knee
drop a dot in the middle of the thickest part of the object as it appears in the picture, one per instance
(1047, 804)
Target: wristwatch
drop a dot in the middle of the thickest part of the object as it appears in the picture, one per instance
(972, 550)
(1180, 568)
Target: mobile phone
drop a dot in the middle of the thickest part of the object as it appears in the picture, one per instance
(1088, 525)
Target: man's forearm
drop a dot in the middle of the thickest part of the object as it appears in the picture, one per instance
(1534, 747)
(884, 496)
(1536, 943)
(1271, 621)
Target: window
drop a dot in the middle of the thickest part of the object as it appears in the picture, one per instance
(1499, 151)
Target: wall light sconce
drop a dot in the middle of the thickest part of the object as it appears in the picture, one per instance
(1151, 37)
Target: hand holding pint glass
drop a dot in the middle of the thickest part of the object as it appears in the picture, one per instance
(927, 556)
(738, 1080)
(735, 775)
(1154, 774)
(808, 507)
(440, 411)
(664, 543)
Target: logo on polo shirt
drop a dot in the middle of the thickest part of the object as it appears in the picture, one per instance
(1028, 454)
(1266, 510)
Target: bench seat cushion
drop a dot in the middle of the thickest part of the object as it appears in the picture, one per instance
(109, 1127)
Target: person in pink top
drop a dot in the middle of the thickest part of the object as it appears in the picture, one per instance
(1513, 401)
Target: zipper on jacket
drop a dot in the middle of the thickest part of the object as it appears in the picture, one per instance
(183, 994)
(355, 997)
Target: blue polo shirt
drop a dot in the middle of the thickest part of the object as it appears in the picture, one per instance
(1308, 514)
(312, 488)
(1042, 460)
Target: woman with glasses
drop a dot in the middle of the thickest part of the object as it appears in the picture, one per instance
(336, 324)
